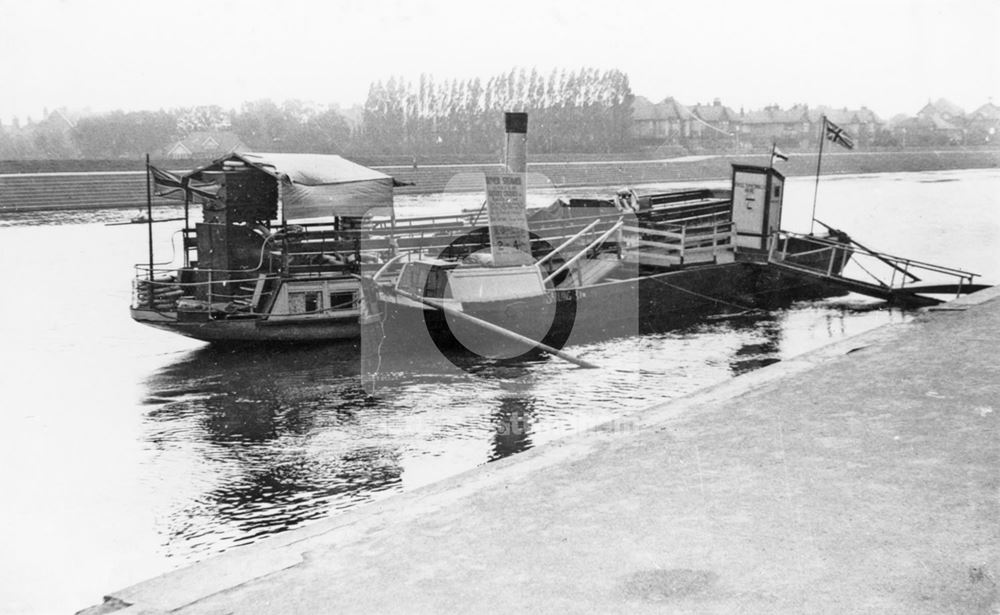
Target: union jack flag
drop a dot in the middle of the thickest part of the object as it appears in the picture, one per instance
(171, 186)
(837, 134)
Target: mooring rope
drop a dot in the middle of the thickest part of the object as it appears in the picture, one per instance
(707, 297)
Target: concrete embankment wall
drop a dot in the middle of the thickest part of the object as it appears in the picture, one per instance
(115, 188)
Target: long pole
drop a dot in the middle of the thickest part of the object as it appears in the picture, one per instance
(498, 329)
(149, 228)
(819, 160)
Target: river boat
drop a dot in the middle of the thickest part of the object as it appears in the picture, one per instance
(276, 256)
(621, 265)
(296, 248)
(284, 240)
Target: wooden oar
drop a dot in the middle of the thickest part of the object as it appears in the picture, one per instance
(497, 329)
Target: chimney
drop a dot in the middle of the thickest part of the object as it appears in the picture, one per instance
(516, 147)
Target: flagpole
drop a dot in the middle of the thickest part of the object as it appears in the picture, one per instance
(774, 147)
(149, 227)
(819, 161)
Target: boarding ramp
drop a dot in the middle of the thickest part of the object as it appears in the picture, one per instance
(856, 268)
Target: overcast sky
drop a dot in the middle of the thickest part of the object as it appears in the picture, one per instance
(889, 55)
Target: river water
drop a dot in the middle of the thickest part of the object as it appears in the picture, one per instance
(128, 451)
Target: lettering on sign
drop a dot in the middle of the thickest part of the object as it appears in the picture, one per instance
(506, 204)
(745, 193)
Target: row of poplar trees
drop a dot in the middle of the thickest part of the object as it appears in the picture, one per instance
(586, 110)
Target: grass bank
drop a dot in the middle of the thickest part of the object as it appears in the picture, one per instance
(66, 184)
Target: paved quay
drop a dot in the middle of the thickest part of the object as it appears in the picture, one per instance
(863, 477)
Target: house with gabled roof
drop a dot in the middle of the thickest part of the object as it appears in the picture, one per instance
(943, 108)
(941, 122)
(53, 135)
(784, 126)
(65, 119)
(204, 144)
(667, 120)
(984, 124)
(927, 130)
(715, 122)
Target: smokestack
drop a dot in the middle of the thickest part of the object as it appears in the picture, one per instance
(516, 147)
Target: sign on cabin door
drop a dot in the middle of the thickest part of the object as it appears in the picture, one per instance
(757, 196)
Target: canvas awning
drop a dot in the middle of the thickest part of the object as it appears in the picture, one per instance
(316, 185)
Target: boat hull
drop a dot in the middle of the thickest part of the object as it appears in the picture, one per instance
(643, 304)
(248, 330)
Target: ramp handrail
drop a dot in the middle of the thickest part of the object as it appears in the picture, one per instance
(604, 236)
(901, 267)
(869, 251)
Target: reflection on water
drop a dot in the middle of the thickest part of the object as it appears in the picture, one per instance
(257, 416)
(512, 421)
(761, 352)
(279, 436)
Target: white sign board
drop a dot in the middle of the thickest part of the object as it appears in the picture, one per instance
(506, 206)
(749, 202)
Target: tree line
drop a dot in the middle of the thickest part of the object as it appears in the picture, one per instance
(585, 110)
(569, 111)
(262, 125)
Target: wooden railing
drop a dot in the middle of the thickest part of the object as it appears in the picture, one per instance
(700, 240)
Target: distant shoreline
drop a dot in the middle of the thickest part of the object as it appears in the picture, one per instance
(68, 185)
(568, 174)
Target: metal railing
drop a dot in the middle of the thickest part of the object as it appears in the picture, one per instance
(829, 258)
(593, 245)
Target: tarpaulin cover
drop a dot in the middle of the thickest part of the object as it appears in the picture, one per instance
(316, 185)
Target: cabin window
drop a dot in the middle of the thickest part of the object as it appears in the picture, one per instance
(412, 279)
(777, 191)
(424, 280)
(303, 303)
(344, 301)
(437, 282)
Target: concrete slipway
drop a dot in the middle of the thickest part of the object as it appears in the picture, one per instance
(860, 478)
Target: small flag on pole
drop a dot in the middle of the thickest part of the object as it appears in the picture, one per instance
(777, 154)
(837, 134)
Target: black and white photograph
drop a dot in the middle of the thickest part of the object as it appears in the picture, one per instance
(500, 307)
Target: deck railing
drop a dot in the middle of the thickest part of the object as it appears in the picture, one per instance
(698, 240)
(322, 249)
